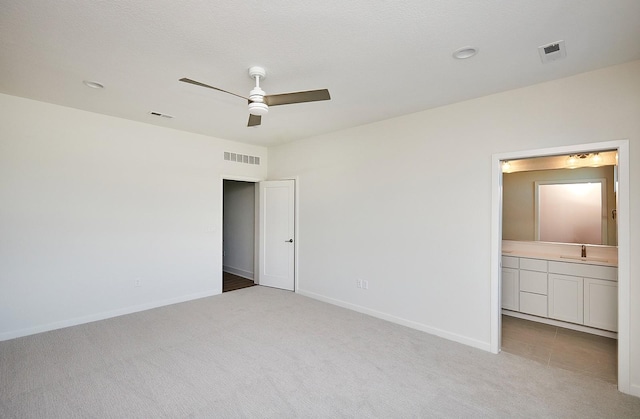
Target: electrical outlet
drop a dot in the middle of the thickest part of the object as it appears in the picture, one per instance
(359, 283)
(365, 284)
(137, 282)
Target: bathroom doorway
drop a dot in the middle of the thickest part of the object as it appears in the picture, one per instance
(519, 327)
(560, 205)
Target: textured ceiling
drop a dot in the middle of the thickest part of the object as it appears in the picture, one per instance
(379, 59)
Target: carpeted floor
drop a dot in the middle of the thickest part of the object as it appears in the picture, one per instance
(265, 353)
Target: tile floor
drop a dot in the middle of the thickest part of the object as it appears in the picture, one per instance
(553, 346)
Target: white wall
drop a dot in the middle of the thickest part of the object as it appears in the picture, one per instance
(239, 228)
(90, 203)
(406, 203)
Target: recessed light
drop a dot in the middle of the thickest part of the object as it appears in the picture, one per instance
(465, 52)
(93, 84)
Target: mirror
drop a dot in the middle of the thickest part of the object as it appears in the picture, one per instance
(525, 217)
(571, 212)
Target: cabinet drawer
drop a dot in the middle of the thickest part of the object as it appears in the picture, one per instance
(509, 262)
(533, 264)
(535, 282)
(535, 304)
(585, 270)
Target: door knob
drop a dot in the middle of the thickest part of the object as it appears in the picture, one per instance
(289, 241)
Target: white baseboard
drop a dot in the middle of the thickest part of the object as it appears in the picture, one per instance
(634, 390)
(239, 272)
(485, 346)
(102, 316)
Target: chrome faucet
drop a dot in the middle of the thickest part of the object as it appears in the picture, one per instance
(584, 251)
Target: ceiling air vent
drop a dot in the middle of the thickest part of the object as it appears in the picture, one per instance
(160, 115)
(552, 52)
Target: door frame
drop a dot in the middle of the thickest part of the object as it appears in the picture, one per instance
(255, 181)
(622, 146)
(296, 223)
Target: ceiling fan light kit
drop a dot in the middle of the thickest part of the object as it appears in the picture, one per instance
(258, 108)
(259, 102)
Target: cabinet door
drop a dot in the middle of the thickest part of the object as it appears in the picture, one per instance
(535, 304)
(510, 289)
(601, 304)
(566, 298)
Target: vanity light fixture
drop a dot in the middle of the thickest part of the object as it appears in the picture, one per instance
(584, 160)
(506, 166)
(93, 84)
(464, 53)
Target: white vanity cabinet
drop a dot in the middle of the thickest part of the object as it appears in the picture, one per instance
(533, 286)
(584, 294)
(572, 292)
(510, 283)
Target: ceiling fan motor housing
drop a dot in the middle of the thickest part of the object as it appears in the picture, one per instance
(256, 102)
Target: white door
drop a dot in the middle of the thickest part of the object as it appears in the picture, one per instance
(276, 249)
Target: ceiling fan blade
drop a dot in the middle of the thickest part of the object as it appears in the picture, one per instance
(254, 120)
(297, 97)
(197, 83)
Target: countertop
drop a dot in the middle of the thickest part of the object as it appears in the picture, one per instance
(562, 258)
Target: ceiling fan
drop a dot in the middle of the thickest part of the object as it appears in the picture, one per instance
(259, 102)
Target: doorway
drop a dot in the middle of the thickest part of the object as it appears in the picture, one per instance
(622, 218)
(238, 234)
(553, 206)
(259, 240)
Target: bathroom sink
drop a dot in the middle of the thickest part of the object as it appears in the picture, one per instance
(585, 259)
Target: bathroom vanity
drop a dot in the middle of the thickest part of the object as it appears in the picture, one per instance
(560, 288)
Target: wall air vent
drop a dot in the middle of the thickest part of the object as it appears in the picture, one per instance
(552, 52)
(241, 158)
(160, 115)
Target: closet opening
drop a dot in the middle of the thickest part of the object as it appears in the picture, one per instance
(238, 234)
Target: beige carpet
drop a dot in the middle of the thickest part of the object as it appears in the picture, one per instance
(266, 353)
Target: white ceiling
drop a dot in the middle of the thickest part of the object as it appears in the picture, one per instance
(379, 59)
